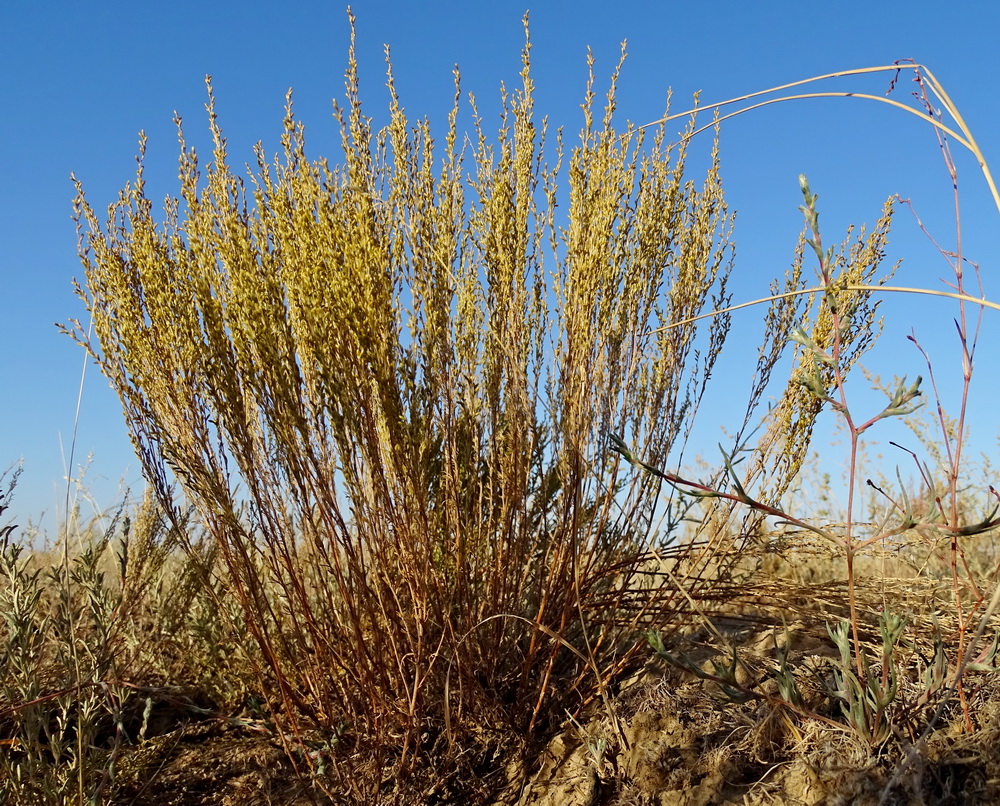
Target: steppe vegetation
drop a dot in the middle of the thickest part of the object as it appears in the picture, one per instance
(412, 532)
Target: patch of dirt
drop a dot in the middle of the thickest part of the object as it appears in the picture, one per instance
(210, 763)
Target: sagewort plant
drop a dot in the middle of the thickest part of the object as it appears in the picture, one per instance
(385, 387)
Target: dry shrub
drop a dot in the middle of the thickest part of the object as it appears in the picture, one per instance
(385, 389)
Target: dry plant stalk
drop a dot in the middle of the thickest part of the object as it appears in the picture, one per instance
(386, 389)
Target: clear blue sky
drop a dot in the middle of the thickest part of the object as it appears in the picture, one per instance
(80, 80)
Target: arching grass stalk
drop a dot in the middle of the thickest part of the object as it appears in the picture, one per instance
(888, 289)
(922, 75)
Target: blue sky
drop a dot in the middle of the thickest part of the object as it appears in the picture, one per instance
(80, 81)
